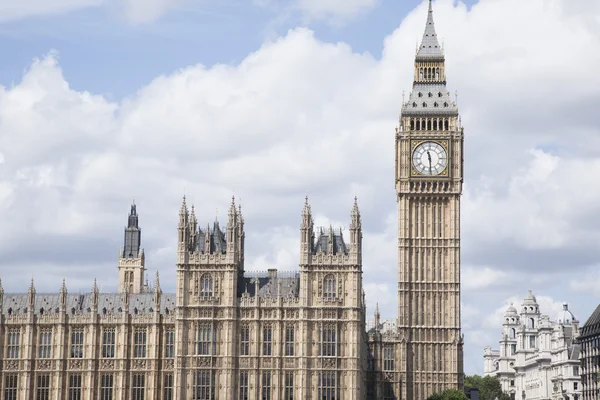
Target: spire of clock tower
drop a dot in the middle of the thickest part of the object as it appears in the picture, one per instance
(430, 48)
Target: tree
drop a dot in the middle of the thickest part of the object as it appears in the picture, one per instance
(489, 387)
(448, 394)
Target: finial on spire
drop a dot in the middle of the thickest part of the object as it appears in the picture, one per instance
(32, 286)
(430, 6)
(95, 287)
(430, 47)
(63, 287)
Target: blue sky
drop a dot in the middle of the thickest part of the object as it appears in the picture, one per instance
(308, 99)
(102, 52)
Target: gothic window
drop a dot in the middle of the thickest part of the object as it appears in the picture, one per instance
(107, 382)
(11, 384)
(418, 125)
(428, 124)
(45, 346)
(203, 388)
(513, 349)
(13, 343)
(420, 74)
(430, 94)
(139, 343)
(412, 124)
(531, 323)
(437, 74)
(204, 339)
(329, 289)
(446, 125)
(424, 105)
(138, 388)
(420, 94)
(288, 386)
(414, 104)
(77, 343)
(328, 386)
(532, 342)
(512, 333)
(436, 105)
(328, 341)
(445, 104)
(108, 343)
(245, 340)
(206, 286)
(289, 340)
(266, 386)
(42, 390)
(170, 343)
(388, 358)
(267, 340)
(75, 387)
(168, 387)
(244, 385)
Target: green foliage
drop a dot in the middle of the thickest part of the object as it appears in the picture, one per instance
(489, 387)
(448, 394)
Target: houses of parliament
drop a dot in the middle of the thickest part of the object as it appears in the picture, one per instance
(226, 334)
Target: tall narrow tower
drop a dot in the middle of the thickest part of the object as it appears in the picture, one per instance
(429, 176)
(132, 268)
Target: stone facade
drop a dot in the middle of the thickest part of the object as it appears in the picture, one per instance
(538, 357)
(229, 334)
(224, 334)
(421, 352)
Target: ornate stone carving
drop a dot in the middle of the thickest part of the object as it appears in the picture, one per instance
(11, 365)
(203, 362)
(330, 363)
(139, 364)
(75, 364)
(169, 364)
(44, 364)
(107, 364)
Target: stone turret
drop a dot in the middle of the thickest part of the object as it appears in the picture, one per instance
(131, 266)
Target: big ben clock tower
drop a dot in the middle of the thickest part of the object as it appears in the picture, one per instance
(429, 176)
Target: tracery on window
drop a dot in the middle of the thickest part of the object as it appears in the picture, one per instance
(206, 286)
(329, 287)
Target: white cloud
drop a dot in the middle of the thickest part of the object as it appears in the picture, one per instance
(302, 114)
(11, 9)
(476, 278)
(336, 11)
(139, 11)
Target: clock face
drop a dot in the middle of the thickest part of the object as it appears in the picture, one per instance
(429, 158)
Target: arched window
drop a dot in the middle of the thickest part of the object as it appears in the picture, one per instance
(329, 291)
(424, 105)
(436, 105)
(412, 124)
(206, 286)
(420, 74)
(437, 74)
(446, 124)
(512, 333)
(418, 125)
(531, 323)
(428, 124)
(420, 94)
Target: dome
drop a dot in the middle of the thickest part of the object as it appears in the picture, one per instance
(511, 310)
(565, 317)
(530, 299)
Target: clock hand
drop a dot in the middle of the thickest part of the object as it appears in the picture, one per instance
(429, 157)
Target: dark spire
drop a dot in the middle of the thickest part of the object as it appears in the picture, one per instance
(133, 235)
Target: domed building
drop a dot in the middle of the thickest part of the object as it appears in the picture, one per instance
(538, 357)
